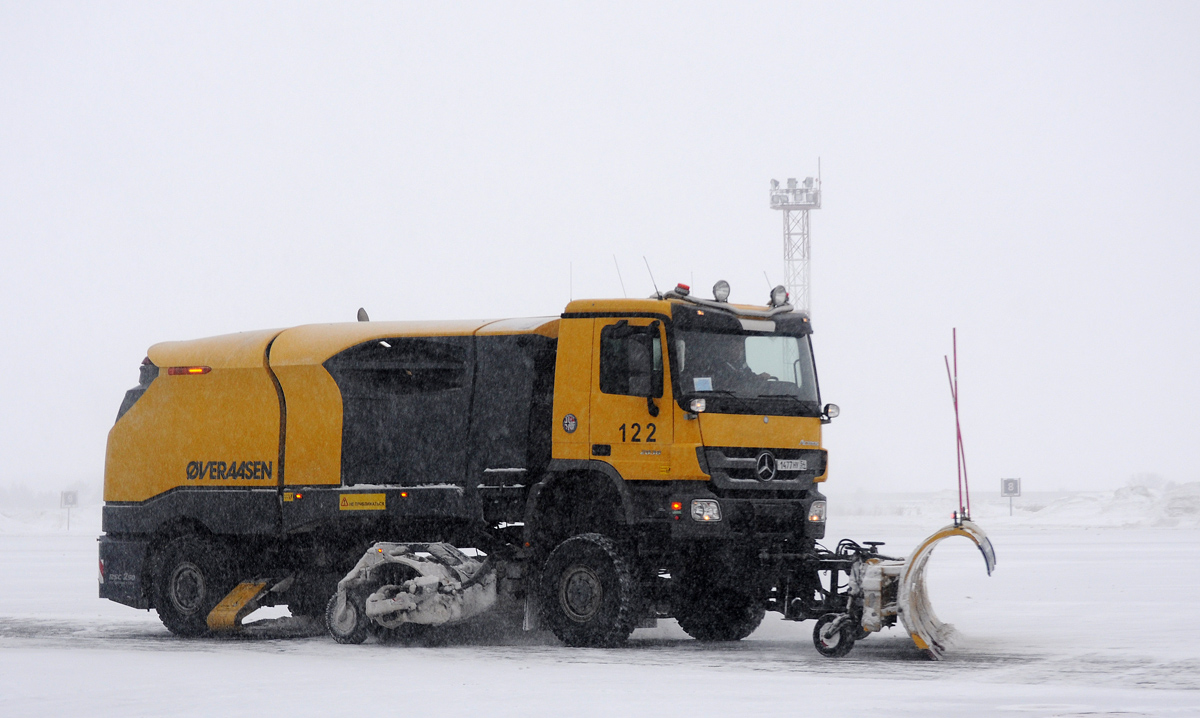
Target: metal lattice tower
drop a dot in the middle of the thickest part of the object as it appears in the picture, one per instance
(795, 201)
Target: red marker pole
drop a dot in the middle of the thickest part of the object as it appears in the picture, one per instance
(964, 488)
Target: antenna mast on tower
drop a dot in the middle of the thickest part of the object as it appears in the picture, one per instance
(795, 201)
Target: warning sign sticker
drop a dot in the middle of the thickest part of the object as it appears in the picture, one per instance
(362, 502)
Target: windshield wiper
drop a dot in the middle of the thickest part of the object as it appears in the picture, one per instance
(806, 402)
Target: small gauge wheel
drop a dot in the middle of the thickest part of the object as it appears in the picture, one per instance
(834, 635)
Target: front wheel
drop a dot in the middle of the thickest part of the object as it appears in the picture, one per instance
(346, 620)
(589, 594)
(834, 635)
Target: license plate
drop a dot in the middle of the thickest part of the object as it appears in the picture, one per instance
(792, 465)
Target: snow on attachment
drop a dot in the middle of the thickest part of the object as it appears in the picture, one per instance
(885, 589)
(930, 634)
(416, 583)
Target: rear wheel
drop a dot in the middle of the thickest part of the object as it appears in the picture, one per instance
(193, 575)
(720, 614)
(589, 595)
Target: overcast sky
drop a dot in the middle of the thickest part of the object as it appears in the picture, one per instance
(1028, 173)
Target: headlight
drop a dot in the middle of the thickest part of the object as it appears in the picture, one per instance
(706, 510)
(698, 405)
(816, 512)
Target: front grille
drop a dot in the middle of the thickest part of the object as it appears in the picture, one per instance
(739, 463)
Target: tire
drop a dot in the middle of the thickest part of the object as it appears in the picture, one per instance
(193, 575)
(348, 625)
(589, 595)
(721, 614)
(838, 644)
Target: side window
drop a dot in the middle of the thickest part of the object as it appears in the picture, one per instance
(631, 360)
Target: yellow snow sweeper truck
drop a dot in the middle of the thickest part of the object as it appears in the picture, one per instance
(627, 460)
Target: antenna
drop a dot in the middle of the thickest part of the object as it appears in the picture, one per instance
(964, 509)
(770, 286)
(656, 292)
(619, 277)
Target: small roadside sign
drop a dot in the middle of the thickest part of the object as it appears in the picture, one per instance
(1010, 488)
(68, 500)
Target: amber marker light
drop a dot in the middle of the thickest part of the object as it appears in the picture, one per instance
(188, 370)
(677, 506)
(404, 494)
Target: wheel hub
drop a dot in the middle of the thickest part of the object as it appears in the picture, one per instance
(344, 617)
(187, 588)
(581, 593)
(830, 638)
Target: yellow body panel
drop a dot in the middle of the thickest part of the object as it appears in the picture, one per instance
(640, 443)
(777, 432)
(313, 443)
(313, 434)
(198, 430)
(572, 389)
(685, 465)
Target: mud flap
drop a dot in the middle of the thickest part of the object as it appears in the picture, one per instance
(927, 632)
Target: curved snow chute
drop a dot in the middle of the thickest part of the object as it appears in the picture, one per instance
(927, 632)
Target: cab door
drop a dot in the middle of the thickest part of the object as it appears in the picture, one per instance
(631, 422)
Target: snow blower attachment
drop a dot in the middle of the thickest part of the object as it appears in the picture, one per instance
(409, 583)
(882, 589)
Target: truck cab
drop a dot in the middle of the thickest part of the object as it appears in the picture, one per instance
(702, 421)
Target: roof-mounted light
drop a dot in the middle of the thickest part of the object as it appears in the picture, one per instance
(721, 291)
(779, 296)
(682, 289)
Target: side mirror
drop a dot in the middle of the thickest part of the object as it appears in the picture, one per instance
(829, 413)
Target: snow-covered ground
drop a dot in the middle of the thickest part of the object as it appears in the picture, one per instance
(1090, 612)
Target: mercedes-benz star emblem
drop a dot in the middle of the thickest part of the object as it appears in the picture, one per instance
(764, 468)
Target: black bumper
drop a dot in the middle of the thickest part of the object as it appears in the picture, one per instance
(123, 571)
(756, 518)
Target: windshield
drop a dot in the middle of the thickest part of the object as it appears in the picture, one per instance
(747, 373)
